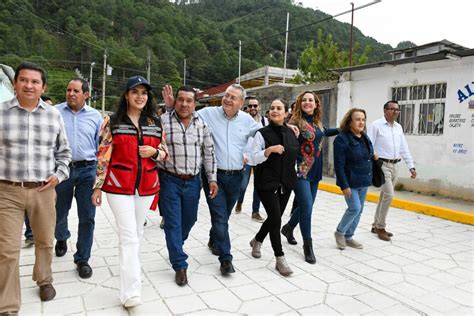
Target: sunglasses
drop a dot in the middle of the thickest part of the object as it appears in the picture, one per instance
(252, 106)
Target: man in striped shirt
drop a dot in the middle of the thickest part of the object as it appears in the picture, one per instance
(34, 158)
(190, 147)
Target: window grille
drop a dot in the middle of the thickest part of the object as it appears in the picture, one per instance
(428, 101)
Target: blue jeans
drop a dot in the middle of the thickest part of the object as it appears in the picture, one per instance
(80, 183)
(179, 200)
(28, 231)
(305, 192)
(220, 208)
(355, 206)
(243, 188)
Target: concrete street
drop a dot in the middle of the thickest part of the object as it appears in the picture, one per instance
(427, 269)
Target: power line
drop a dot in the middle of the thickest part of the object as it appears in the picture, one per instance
(330, 17)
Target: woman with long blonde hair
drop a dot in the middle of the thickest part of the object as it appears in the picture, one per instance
(307, 117)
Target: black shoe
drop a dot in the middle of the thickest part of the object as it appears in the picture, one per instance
(308, 252)
(213, 248)
(287, 231)
(61, 248)
(180, 277)
(227, 267)
(84, 269)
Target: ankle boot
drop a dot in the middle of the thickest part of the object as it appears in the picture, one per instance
(282, 266)
(287, 231)
(308, 252)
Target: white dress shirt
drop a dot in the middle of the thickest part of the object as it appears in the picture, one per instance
(254, 151)
(389, 141)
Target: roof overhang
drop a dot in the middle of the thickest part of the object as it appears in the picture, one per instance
(417, 59)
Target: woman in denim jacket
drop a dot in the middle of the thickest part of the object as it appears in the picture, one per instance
(353, 154)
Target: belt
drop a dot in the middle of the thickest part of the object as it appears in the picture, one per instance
(390, 160)
(24, 184)
(179, 176)
(230, 172)
(81, 163)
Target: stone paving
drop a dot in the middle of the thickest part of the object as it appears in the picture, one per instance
(427, 268)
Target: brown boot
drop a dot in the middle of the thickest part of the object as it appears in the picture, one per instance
(238, 207)
(373, 230)
(382, 234)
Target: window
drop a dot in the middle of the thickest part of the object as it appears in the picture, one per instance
(418, 92)
(407, 112)
(431, 119)
(426, 100)
(399, 94)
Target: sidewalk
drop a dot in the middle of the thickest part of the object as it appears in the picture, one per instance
(427, 269)
(455, 210)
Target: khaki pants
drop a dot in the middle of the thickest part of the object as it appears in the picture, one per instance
(387, 193)
(41, 210)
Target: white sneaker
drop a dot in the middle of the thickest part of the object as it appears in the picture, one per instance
(133, 301)
(354, 244)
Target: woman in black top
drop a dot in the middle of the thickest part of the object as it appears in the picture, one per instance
(274, 149)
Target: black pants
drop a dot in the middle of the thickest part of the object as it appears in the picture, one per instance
(275, 204)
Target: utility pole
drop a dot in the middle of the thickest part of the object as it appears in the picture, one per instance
(104, 75)
(286, 45)
(240, 60)
(90, 84)
(350, 38)
(184, 72)
(148, 66)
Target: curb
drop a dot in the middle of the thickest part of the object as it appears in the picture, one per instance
(436, 211)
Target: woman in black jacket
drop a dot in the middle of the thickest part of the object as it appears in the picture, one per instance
(274, 149)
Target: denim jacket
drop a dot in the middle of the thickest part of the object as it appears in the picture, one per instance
(353, 160)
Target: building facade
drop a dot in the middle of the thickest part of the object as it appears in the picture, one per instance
(435, 91)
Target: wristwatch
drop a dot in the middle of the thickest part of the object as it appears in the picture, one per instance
(155, 155)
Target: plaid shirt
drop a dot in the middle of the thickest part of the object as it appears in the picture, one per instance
(33, 145)
(189, 148)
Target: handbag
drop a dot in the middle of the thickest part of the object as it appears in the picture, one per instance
(378, 177)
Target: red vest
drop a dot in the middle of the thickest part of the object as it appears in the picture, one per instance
(127, 171)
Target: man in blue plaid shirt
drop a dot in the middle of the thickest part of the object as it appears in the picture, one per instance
(34, 158)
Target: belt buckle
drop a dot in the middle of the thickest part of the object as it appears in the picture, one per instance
(21, 184)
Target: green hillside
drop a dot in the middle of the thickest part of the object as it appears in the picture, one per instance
(64, 35)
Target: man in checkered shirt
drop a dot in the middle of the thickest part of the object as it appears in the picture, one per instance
(34, 158)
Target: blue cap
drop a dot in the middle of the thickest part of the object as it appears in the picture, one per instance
(136, 81)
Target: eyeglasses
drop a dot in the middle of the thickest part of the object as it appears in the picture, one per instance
(252, 106)
(233, 98)
(393, 109)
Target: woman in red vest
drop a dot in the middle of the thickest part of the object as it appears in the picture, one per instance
(131, 141)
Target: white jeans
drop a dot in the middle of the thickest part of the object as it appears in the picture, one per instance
(130, 212)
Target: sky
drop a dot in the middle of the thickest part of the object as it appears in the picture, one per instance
(418, 21)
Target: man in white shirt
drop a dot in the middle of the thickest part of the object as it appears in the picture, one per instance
(253, 106)
(391, 146)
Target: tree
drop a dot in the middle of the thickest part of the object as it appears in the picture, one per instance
(405, 44)
(315, 61)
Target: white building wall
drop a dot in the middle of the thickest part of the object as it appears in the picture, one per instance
(445, 163)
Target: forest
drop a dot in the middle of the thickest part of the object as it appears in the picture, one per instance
(66, 36)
